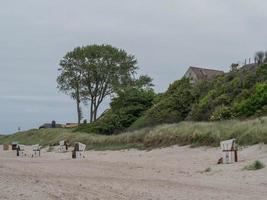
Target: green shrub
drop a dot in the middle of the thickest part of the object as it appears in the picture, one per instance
(222, 113)
(255, 166)
(125, 109)
(172, 107)
(256, 101)
(207, 170)
(240, 93)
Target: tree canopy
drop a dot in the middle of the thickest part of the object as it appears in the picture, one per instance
(91, 73)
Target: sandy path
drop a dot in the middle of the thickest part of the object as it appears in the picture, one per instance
(170, 173)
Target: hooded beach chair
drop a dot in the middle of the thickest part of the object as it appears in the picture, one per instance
(21, 150)
(63, 146)
(36, 150)
(229, 150)
(79, 150)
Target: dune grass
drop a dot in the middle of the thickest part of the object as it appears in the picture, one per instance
(247, 132)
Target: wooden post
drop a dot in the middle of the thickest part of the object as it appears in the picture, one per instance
(236, 157)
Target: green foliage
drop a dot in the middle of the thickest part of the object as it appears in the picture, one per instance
(171, 107)
(125, 109)
(93, 72)
(255, 166)
(96, 71)
(256, 101)
(221, 113)
(239, 93)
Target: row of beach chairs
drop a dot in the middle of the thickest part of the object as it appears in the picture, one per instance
(228, 147)
(35, 151)
(22, 151)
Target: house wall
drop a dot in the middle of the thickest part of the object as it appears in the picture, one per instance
(191, 75)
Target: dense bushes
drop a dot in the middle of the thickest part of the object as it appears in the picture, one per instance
(238, 94)
(255, 102)
(171, 107)
(124, 110)
(241, 93)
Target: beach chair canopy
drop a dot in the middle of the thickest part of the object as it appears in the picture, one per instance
(80, 147)
(14, 143)
(21, 147)
(228, 145)
(36, 147)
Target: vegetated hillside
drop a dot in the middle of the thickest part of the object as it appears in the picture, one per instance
(239, 94)
(170, 107)
(236, 95)
(246, 132)
(125, 108)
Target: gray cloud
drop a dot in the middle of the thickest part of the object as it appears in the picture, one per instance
(166, 37)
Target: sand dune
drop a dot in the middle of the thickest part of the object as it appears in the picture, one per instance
(169, 173)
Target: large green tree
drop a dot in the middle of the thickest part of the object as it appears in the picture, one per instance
(91, 73)
(105, 69)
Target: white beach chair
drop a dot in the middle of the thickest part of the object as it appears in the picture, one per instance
(21, 150)
(36, 150)
(62, 146)
(229, 150)
(79, 150)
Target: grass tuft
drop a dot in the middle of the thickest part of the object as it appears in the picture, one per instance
(255, 166)
(207, 170)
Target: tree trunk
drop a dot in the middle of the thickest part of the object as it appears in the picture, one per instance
(78, 101)
(95, 115)
(95, 111)
(78, 111)
(91, 112)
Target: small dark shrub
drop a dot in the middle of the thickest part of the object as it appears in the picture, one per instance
(255, 166)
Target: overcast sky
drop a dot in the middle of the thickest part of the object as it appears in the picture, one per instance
(166, 36)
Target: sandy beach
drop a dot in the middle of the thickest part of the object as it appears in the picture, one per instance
(161, 174)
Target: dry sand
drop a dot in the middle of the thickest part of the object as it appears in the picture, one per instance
(169, 173)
